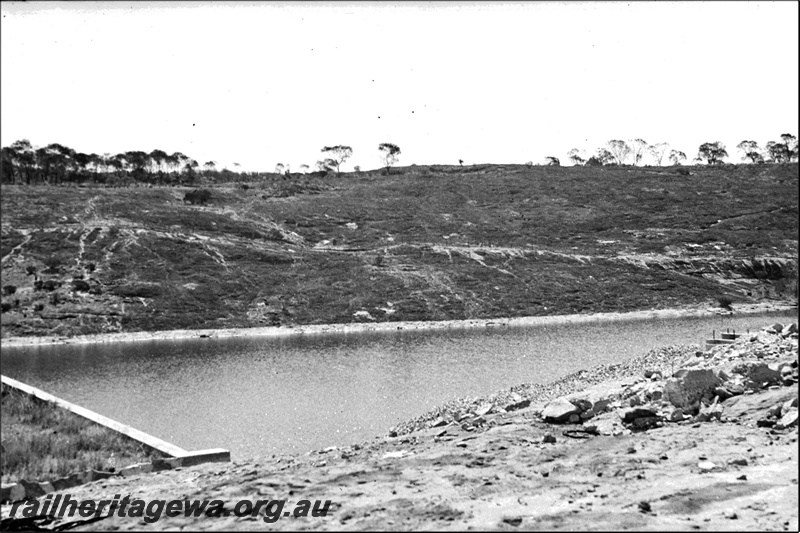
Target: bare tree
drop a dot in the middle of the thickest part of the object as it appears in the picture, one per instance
(552, 161)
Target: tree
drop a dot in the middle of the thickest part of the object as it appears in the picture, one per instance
(553, 161)
(390, 153)
(338, 154)
(304, 168)
(638, 148)
(461, 162)
(676, 157)
(657, 151)
(279, 168)
(576, 156)
(619, 151)
(751, 151)
(791, 145)
(604, 156)
(713, 153)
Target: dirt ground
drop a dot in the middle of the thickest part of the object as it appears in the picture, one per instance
(505, 477)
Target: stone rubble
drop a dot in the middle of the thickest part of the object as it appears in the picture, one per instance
(696, 392)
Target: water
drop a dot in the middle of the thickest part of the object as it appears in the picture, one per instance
(259, 396)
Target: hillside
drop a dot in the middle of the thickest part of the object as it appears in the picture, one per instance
(424, 243)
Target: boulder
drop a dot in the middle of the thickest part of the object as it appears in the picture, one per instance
(787, 420)
(606, 424)
(484, 410)
(689, 386)
(559, 411)
(711, 412)
(629, 415)
(515, 405)
(5, 492)
(32, 488)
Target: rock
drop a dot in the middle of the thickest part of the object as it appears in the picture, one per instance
(559, 411)
(629, 415)
(5, 492)
(723, 394)
(606, 424)
(98, 474)
(47, 487)
(713, 411)
(63, 483)
(32, 488)
(439, 422)
(645, 507)
(677, 415)
(17, 492)
(706, 466)
(517, 405)
(777, 327)
(690, 386)
(484, 409)
(788, 404)
(787, 420)
(738, 462)
(548, 439)
(574, 419)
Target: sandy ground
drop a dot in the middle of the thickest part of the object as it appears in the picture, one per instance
(277, 331)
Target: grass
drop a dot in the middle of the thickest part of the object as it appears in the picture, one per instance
(472, 242)
(41, 442)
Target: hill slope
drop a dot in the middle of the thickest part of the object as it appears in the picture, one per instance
(425, 243)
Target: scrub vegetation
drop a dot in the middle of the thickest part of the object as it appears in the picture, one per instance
(420, 243)
(41, 442)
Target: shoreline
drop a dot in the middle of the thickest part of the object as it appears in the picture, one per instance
(317, 329)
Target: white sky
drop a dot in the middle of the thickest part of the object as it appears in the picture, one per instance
(265, 82)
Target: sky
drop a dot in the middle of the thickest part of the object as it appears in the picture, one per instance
(261, 83)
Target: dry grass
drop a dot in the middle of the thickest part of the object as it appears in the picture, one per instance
(41, 441)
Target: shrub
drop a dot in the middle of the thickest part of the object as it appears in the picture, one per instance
(50, 285)
(55, 299)
(137, 291)
(90, 267)
(37, 285)
(30, 270)
(53, 264)
(724, 302)
(9, 289)
(80, 285)
(197, 196)
(39, 307)
(6, 307)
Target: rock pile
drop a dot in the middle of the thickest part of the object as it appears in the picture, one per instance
(696, 391)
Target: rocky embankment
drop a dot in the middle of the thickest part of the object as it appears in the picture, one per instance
(678, 439)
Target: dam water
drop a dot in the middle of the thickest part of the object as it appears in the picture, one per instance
(259, 396)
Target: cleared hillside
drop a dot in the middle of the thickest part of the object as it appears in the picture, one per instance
(425, 243)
